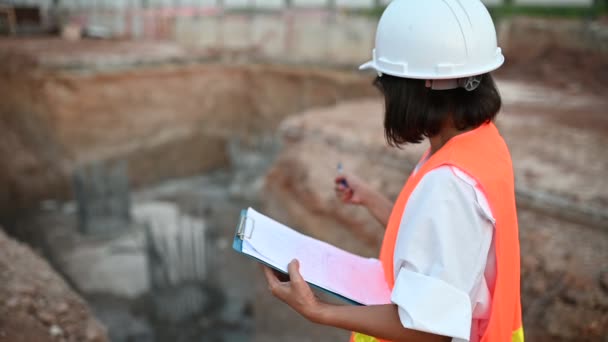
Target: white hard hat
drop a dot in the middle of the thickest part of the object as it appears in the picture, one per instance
(436, 40)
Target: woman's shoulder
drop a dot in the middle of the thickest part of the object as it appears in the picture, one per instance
(450, 182)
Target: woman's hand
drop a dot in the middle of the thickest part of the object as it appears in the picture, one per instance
(295, 292)
(351, 189)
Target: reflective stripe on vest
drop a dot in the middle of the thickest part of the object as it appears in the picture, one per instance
(357, 337)
(483, 155)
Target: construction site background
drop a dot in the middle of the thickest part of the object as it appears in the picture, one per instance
(134, 132)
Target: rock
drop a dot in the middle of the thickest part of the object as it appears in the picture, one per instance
(45, 317)
(12, 302)
(31, 300)
(55, 330)
(62, 308)
(561, 260)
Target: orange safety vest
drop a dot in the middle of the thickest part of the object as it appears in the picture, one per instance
(482, 154)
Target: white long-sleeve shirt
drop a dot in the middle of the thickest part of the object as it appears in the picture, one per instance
(444, 259)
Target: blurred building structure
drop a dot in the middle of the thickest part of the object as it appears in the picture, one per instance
(272, 30)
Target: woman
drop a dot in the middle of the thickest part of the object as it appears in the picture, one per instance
(451, 250)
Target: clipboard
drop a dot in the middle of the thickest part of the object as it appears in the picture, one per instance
(241, 235)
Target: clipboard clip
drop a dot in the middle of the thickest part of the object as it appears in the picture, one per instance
(241, 232)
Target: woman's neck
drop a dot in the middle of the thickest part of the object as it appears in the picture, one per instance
(447, 132)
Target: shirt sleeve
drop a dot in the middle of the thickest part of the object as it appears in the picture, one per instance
(440, 256)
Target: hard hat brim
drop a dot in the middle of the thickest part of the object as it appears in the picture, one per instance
(497, 63)
(367, 65)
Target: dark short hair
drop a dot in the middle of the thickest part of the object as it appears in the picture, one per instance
(414, 111)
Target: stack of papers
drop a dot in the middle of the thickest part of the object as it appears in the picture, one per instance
(349, 276)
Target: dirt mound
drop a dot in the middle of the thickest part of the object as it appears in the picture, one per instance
(167, 120)
(560, 67)
(29, 153)
(36, 304)
(566, 54)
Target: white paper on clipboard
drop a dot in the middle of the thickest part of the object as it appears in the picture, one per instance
(328, 267)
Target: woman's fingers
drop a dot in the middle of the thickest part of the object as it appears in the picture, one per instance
(343, 192)
(276, 287)
(300, 287)
(339, 179)
(346, 196)
(294, 272)
(271, 278)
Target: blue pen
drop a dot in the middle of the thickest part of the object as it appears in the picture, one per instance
(343, 181)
